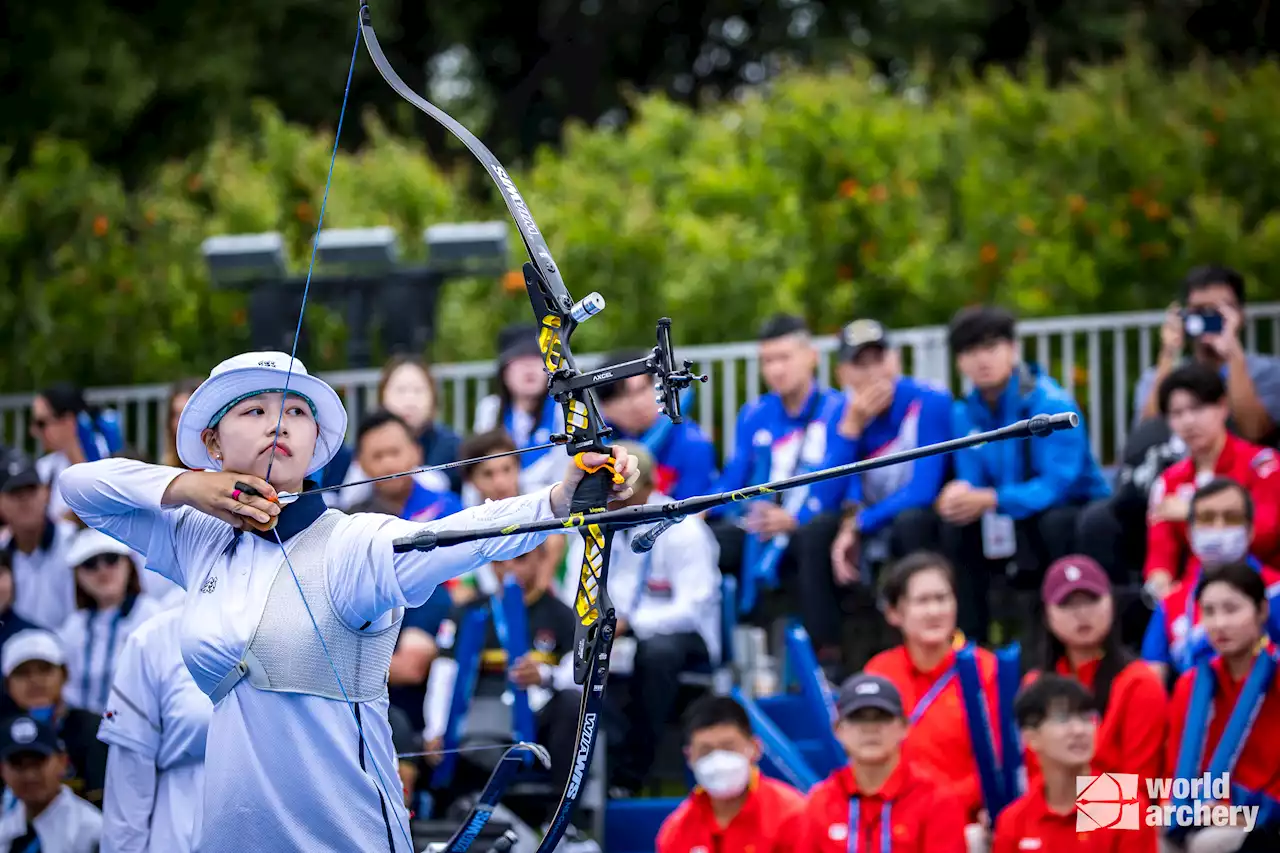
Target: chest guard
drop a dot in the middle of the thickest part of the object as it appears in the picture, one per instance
(284, 654)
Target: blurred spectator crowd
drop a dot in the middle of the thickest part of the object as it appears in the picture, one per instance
(888, 572)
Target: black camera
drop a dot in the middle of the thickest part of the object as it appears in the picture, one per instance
(1203, 322)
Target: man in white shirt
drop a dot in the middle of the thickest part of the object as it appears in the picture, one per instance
(668, 607)
(43, 583)
(48, 817)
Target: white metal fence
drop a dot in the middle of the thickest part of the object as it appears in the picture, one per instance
(1098, 357)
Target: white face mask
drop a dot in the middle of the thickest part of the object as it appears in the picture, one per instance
(1218, 545)
(723, 773)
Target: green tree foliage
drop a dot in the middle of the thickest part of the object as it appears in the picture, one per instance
(822, 193)
(138, 83)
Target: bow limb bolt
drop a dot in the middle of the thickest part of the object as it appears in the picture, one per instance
(558, 315)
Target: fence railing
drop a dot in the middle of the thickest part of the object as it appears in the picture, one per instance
(1097, 357)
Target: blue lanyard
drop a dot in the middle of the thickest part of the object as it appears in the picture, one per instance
(500, 621)
(886, 826)
(105, 687)
(933, 693)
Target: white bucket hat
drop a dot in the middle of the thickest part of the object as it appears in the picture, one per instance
(90, 543)
(248, 375)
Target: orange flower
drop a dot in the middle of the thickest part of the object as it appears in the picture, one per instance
(513, 281)
(1153, 250)
(879, 193)
(868, 249)
(1155, 211)
(303, 212)
(194, 183)
(1120, 228)
(1026, 225)
(1210, 138)
(124, 285)
(844, 272)
(1079, 375)
(150, 216)
(848, 187)
(1076, 203)
(1219, 114)
(100, 226)
(239, 317)
(989, 253)
(1137, 198)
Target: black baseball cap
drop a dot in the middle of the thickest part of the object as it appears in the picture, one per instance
(859, 335)
(860, 692)
(26, 734)
(19, 473)
(515, 341)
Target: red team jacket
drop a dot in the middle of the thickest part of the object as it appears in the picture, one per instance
(938, 743)
(1258, 767)
(767, 823)
(1249, 465)
(1131, 734)
(923, 818)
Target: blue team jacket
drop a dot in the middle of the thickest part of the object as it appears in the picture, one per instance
(685, 457)
(919, 414)
(1062, 467)
(766, 421)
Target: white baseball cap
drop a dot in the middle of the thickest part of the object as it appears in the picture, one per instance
(90, 543)
(26, 646)
(248, 375)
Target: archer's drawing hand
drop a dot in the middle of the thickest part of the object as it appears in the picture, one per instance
(215, 493)
(623, 463)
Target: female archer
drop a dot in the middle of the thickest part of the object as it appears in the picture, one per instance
(299, 754)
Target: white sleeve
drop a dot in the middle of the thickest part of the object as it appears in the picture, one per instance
(128, 798)
(367, 579)
(487, 411)
(435, 707)
(121, 497)
(561, 675)
(688, 552)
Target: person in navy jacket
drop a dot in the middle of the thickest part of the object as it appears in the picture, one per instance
(883, 514)
(685, 458)
(782, 433)
(1010, 500)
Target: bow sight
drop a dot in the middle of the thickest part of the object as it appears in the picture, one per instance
(566, 382)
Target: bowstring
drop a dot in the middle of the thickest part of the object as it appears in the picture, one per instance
(384, 790)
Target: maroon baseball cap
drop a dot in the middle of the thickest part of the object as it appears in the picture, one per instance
(1074, 573)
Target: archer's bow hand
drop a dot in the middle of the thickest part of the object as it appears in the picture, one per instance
(622, 465)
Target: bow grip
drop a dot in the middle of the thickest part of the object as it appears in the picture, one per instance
(595, 618)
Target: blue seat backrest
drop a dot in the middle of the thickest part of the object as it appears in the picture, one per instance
(728, 617)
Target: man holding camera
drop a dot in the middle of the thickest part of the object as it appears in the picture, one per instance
(1211, 317)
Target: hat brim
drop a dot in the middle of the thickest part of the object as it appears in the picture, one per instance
(12, 665)
(23, 480)
(1097, 588)
(34, 748)
(874, 703)
(80, 552)
(217, 391)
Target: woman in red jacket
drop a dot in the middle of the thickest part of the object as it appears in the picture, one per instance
(920, 601)
(1082, 640)
(1233, 605)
